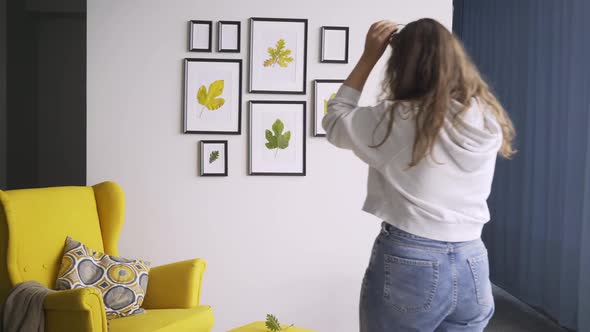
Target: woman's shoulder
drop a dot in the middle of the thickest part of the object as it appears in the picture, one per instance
(400, 109)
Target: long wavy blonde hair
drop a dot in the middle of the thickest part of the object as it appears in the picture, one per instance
(429, 68)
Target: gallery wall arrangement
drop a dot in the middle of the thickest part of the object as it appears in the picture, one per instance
(277, 62)
(239, 222)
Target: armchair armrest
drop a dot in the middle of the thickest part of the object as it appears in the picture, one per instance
(175, 286)
(79, 309)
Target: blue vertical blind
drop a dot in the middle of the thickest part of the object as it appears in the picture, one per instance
(536, 56)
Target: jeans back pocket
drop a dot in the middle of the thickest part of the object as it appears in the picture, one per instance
(480, 269)
(410, 285)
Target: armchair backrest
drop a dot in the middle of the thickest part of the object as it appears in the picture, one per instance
(34, 224)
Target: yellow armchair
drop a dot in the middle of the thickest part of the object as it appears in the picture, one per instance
(34, 224)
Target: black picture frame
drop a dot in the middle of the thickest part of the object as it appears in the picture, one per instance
(303, 89)
(191, 25)
(322, 45)
(315, 103)
(203, 157)
(220, 25)
(238, 131)
(304, 136)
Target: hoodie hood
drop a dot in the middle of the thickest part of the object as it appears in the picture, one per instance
(473, 138)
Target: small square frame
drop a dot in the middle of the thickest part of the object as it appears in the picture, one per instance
(220, 25)
(192, 25)
(203, 157)
(323, 40)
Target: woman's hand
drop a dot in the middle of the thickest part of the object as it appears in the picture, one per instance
(375, 44)
(377, 40)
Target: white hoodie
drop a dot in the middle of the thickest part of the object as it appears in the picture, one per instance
(444, 196)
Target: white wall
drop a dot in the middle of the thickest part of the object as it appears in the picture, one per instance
(293, 246)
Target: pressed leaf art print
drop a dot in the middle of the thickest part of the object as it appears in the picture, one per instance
(209, 98)
(280, 55)
(276, 140)
(214, 155)
(277, 137)
(212, 96)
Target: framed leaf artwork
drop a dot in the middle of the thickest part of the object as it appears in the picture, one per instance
(213, 155)
(278, 55)
(334, 44)
(277, 138)
(228, 36)
(200, 33)
(213, 96)
(323, 91)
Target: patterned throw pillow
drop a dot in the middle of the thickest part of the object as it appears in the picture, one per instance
(122, 282)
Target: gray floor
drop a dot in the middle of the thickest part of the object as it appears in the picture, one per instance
(514, 316)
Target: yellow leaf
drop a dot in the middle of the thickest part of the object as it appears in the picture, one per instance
(284, 61)
(216, 88)
(216, 104)
(202, 95)
(326, 103)
(278, 55)
(268, 62)
(209, 98)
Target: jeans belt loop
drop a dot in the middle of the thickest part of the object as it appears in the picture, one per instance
(384, 228)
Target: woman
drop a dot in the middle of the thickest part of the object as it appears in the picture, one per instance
(431, 147)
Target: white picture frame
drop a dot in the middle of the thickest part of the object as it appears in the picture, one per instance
(278, 56)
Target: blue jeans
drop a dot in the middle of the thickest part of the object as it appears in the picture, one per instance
(417, 284)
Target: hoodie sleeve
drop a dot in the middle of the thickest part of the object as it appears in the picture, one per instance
(351, 127)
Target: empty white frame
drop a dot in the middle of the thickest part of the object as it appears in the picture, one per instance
(323, 91)
(200, 36)
(334, 44)
(278, 55)
(228, 36)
